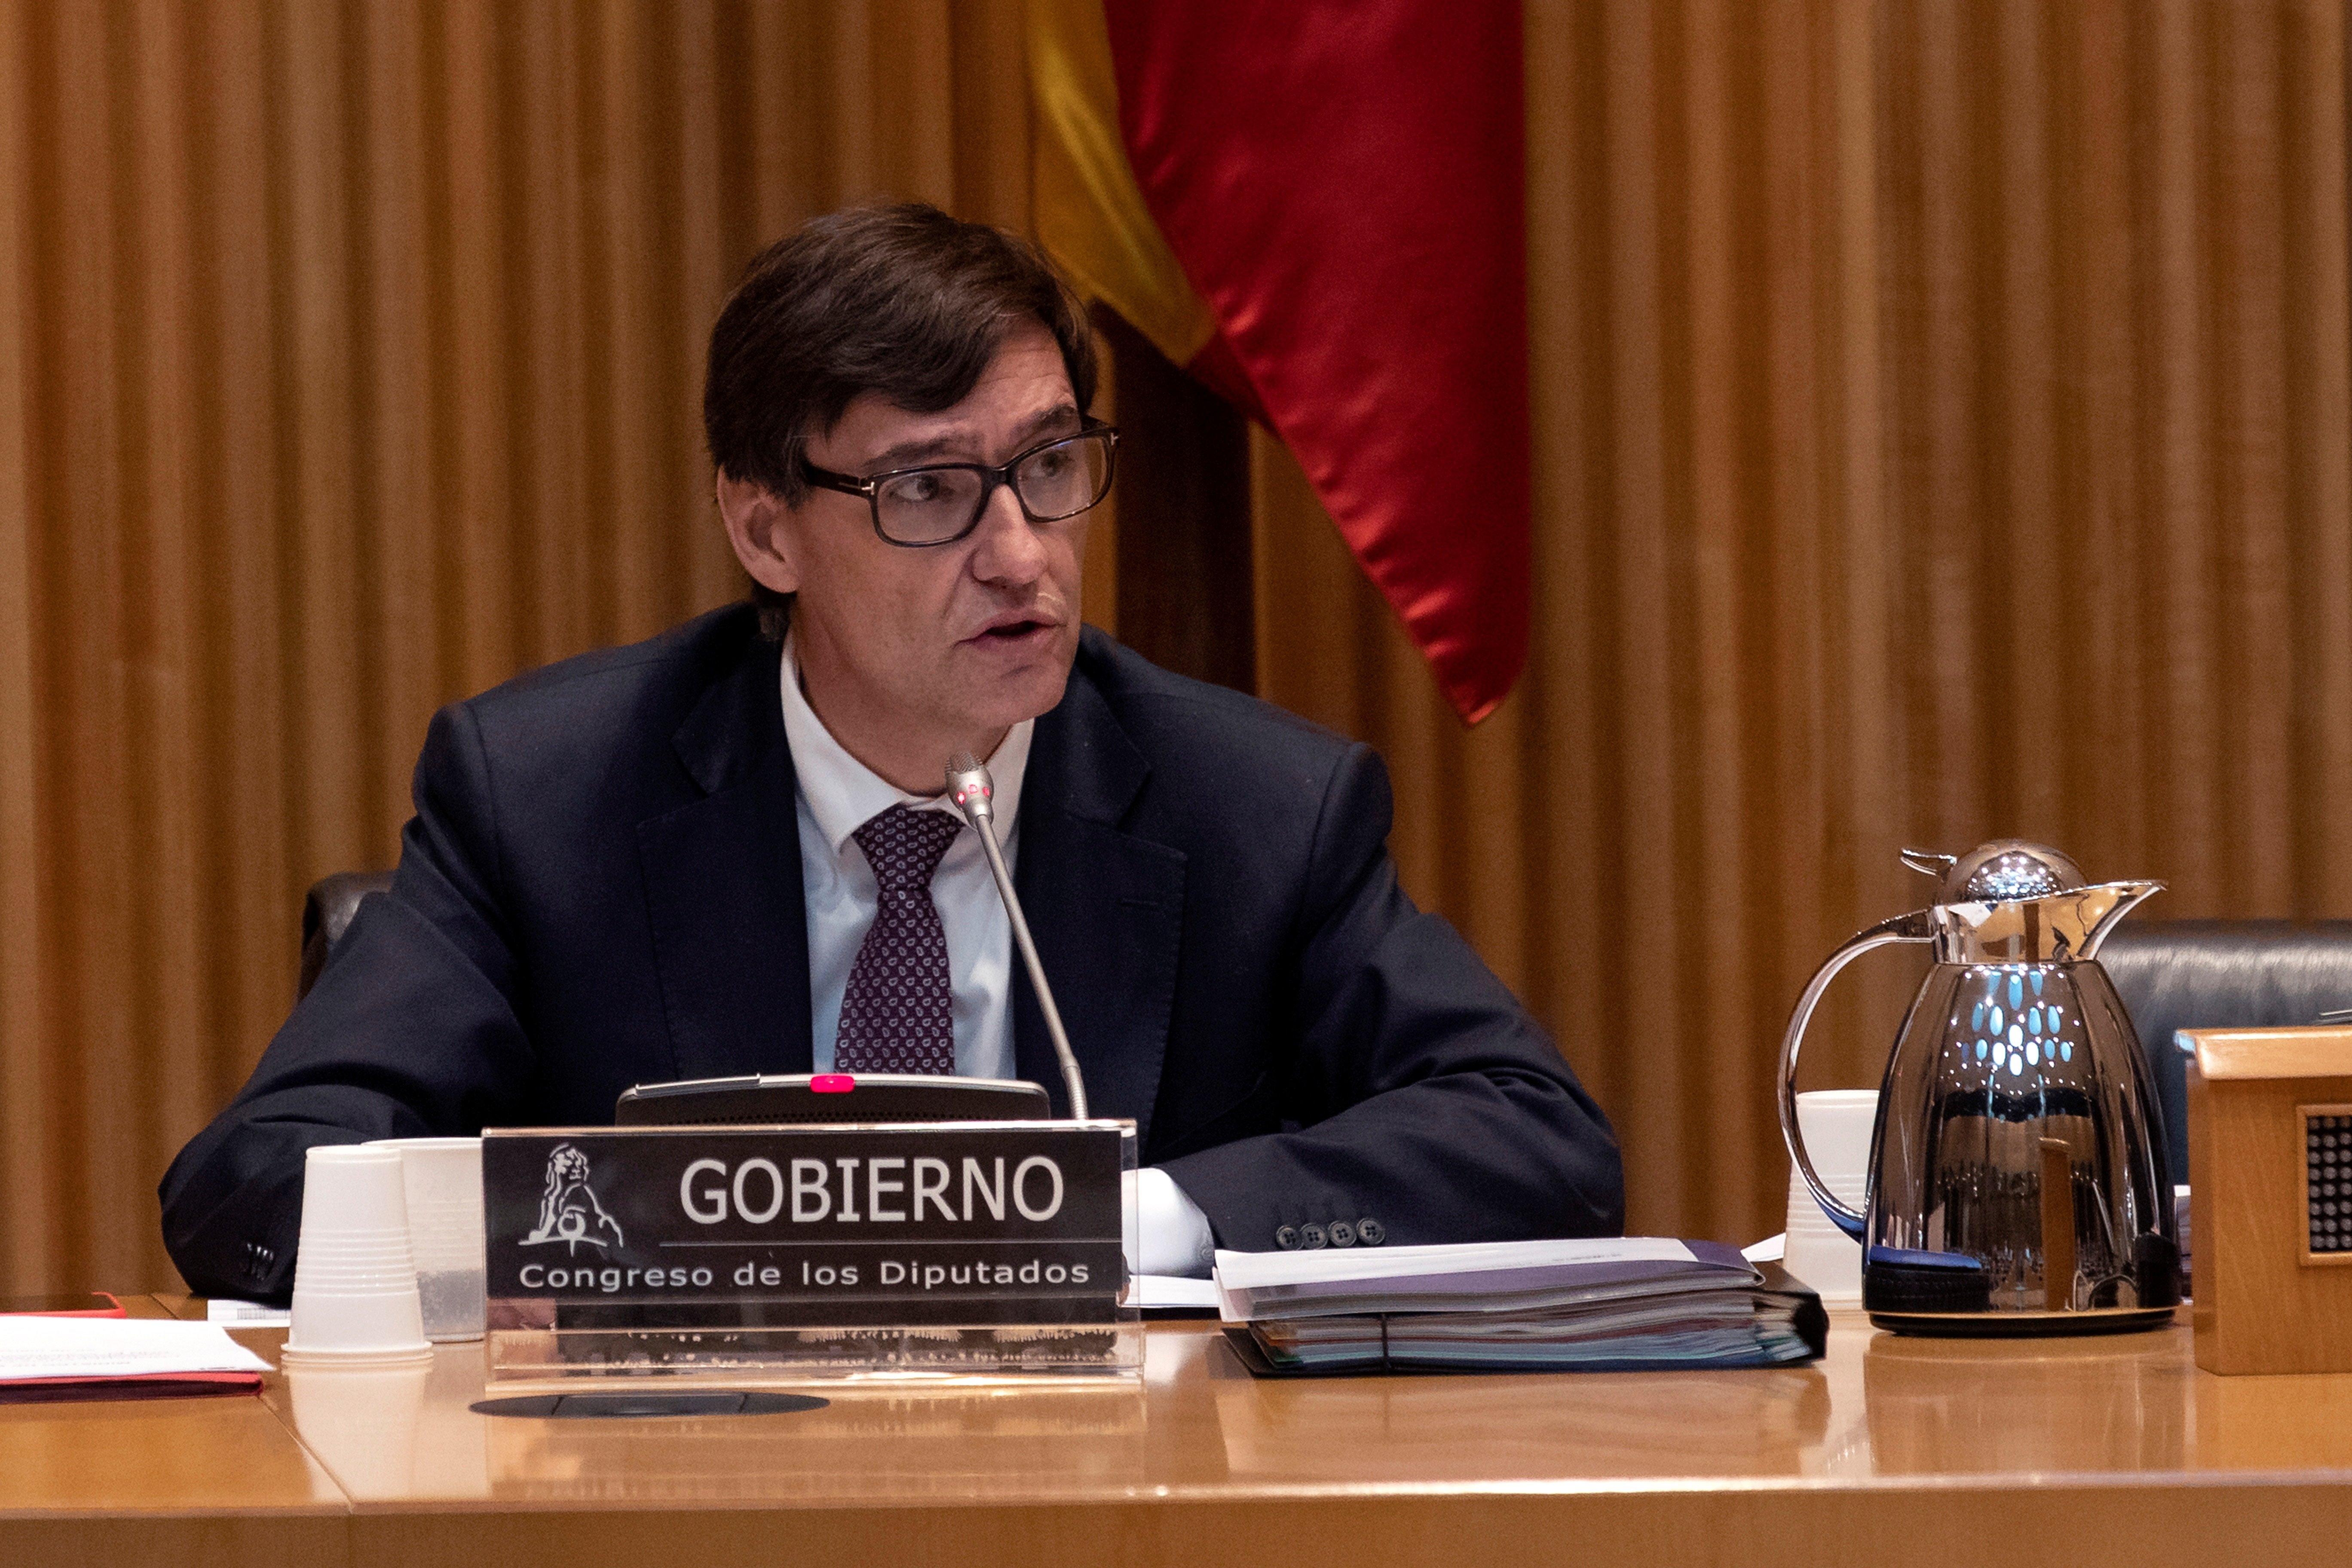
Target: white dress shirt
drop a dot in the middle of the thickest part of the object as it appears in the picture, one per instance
(837, 795)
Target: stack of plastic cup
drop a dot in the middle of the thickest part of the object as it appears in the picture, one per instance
(442, 1180)
(355, 1300)
(1837, 1124)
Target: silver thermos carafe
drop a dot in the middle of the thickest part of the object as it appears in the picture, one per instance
(2016, 1175)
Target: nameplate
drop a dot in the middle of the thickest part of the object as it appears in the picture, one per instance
(677, 1228)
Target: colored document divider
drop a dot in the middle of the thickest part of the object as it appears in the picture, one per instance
(751, 1255)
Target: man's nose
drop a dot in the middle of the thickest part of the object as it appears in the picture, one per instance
(1006, 547)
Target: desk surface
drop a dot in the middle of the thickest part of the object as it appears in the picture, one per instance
(1903, 1451)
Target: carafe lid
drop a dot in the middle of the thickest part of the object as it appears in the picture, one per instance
(2000, 872)
(2011, 901)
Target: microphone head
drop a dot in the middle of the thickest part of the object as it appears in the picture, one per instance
(970, 788)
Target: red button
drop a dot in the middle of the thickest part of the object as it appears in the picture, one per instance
(832, 1083)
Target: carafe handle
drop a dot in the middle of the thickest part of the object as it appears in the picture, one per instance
(1914, 927)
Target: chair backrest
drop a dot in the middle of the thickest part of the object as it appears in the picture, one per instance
(327, 908)
(2221, 974)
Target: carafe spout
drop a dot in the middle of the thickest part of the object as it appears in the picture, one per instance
(2099, 910)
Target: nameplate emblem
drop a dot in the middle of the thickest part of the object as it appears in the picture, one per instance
(971, 1223)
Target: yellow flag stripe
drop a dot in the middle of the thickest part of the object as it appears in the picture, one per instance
(1089, 212)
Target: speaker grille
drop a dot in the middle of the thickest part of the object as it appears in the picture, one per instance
(2327, 1180)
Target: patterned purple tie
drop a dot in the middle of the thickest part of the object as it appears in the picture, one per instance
(895, 1015)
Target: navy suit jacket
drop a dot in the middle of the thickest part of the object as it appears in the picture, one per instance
(601, 887)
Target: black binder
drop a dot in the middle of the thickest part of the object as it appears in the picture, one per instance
(1810, 1321)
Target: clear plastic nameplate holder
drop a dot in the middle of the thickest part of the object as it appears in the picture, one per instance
(901, 1253)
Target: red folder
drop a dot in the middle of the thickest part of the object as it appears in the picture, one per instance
(96, 1304)
(144, 1386)
(155, 1386)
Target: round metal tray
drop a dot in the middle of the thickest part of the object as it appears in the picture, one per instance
(2024, 1325)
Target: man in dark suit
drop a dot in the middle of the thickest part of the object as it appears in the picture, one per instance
(721, 851)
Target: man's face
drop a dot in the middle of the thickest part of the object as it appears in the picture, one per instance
(907, 652)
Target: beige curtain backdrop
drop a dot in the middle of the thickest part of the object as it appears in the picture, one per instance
(1941, 421)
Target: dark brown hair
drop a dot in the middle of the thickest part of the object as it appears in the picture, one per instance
(903, 300)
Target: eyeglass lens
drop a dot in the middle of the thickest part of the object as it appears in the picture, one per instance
(1058, 482)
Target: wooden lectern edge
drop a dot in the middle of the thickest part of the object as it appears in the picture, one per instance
(2315, 1051)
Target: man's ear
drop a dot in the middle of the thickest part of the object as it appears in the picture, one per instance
(761, 529)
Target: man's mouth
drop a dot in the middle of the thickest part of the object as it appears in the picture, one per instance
(1012, 631)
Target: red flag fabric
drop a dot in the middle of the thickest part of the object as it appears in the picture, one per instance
(1343, 182)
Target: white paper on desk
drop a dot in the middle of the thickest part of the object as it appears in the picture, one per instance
(245, 1314)
(116, 1347)
(1163, 1292)
(1247, 1270)
(1461, 1277)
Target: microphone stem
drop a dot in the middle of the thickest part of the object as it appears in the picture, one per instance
(1070, 1077)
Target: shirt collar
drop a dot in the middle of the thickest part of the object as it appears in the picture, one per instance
(844, 794)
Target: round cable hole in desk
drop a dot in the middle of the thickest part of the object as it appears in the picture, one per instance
(622, 1406)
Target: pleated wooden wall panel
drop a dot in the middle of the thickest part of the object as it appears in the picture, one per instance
(348, 362)
(1941, 433)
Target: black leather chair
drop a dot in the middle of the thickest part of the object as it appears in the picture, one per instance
(2201, 975)
(327, 908)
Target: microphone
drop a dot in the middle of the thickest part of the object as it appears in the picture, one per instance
(974, 794)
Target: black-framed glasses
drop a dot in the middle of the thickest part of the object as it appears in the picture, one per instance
(940, 503)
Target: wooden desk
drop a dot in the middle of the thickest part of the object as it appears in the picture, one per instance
(1890, 1452)
(152, 1480)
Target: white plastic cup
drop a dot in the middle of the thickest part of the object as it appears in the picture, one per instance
(355, 1301)
(1836, 1124)
(442, 1179)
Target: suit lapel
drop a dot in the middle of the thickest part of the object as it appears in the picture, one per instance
(1104, 906)
(723, 887)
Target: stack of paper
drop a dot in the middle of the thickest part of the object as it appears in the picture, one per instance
(118, 1358)
(1636, 1302)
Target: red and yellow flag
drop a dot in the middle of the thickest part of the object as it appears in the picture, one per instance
(1318, 209)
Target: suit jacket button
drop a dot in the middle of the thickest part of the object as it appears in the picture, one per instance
(1342, 1233)
(1287, 1238)
(1370, 1232)
(1311, 1237)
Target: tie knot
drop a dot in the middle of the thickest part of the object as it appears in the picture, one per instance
(905, 847)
